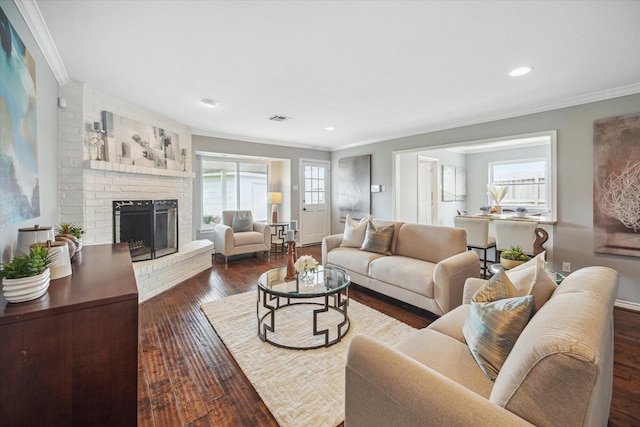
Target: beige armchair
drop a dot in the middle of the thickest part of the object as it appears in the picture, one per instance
(248, 236)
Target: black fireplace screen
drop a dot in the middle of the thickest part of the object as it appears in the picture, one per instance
(150, 227)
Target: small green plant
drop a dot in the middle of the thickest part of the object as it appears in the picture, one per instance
(69, 228)
(515, 254)
(27, 265)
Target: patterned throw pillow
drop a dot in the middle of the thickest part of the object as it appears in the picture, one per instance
(378, 240)
(354, 232)
(241, 222)
(495, 320)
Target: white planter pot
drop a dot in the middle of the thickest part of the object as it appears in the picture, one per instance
(26, 288)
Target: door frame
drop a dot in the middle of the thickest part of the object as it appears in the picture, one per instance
(434, 188)
(328, 199)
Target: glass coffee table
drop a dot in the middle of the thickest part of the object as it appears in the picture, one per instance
(303, 315)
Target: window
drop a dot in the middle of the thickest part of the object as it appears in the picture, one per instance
(233, 185)
(526, 182)
(314, 185)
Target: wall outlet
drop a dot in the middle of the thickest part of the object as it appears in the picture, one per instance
(566, 267)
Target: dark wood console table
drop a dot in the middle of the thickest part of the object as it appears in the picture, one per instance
(71, 356)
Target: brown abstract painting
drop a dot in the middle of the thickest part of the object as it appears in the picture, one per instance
(616, 185)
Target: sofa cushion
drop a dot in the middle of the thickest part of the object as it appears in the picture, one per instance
(248, 238)
(498, 287)
(352, 259)
(354, 232)
(396, 226)
(452, 322)
(378, 239)
(447, 356)
(431, 243)
(242, 222)
(407, 273)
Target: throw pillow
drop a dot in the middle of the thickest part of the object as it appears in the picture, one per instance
(241, 222)
(492, 329)
(496, 288)
(354, 232)
(378, 240)
(533, 280)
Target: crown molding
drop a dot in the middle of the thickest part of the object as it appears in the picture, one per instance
(603, 95)
(32, 16)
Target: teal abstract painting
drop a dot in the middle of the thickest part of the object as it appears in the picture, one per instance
(19, 187)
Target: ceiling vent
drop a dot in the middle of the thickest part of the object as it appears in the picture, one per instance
(279, 118)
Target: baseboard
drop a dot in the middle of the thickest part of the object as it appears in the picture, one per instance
(627, 305)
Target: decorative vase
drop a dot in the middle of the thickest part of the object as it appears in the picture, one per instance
(498, 208)
(510, 263)
(26, 288)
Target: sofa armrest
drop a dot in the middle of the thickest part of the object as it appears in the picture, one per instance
(471, 285)
(385, 387)
(223, 239)
(449, 277)
(329, 243)
(265, 229)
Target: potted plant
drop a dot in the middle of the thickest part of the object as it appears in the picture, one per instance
(513, 257)
(71, 233)
(521, 211)
(27, 276)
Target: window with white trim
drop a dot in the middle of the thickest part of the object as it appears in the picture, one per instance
(526, 181)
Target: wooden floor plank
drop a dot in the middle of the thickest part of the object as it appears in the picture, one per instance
(186, 376)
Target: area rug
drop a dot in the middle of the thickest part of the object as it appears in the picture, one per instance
(300, 387)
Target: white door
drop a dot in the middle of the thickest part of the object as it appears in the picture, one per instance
(315, 214)
(427, 190)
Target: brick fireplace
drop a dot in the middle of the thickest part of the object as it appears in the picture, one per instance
(87, 187)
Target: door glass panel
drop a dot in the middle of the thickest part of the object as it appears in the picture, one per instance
(314, 185)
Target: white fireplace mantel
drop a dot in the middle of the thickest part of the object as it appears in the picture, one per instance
(116, 167)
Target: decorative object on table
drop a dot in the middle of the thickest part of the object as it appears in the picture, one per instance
(19, 177)
(497, 194)
(293, 225)
(616, 185)
(72, 234)
(521, 211)
(291, 260)
(291, 235)
(60, 265)
(513, 257)
(30, 235)
(98, 141)
(27, 276)
(306, 267)
(485, 210)
(275, 198)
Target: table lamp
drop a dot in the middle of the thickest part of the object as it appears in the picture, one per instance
(275, 198)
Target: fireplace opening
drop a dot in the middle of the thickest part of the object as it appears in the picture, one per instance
(150, 227)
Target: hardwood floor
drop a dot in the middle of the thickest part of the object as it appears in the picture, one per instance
(186, 377)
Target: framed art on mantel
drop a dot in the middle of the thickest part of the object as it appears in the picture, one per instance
(131, 142)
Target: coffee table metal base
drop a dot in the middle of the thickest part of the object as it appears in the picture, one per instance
(337, 302)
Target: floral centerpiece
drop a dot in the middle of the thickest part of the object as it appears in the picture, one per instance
(305, 266)
(521, 211)
(497, 194)
(485, 210)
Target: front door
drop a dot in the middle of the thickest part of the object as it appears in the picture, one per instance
(315, 215)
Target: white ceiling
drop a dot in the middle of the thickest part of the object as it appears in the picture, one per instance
(373, 70)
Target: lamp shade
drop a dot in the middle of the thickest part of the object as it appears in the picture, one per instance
(275, 198)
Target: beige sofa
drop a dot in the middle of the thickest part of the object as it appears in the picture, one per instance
(559, 372)
(427, 268)
(229, 243)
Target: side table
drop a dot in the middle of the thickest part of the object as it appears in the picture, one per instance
(278, 236)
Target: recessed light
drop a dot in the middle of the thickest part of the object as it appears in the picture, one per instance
(521, 71)
(209, 102)
(329, 128)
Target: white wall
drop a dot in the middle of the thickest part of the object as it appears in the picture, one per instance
(47, 113)
(573, 234)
